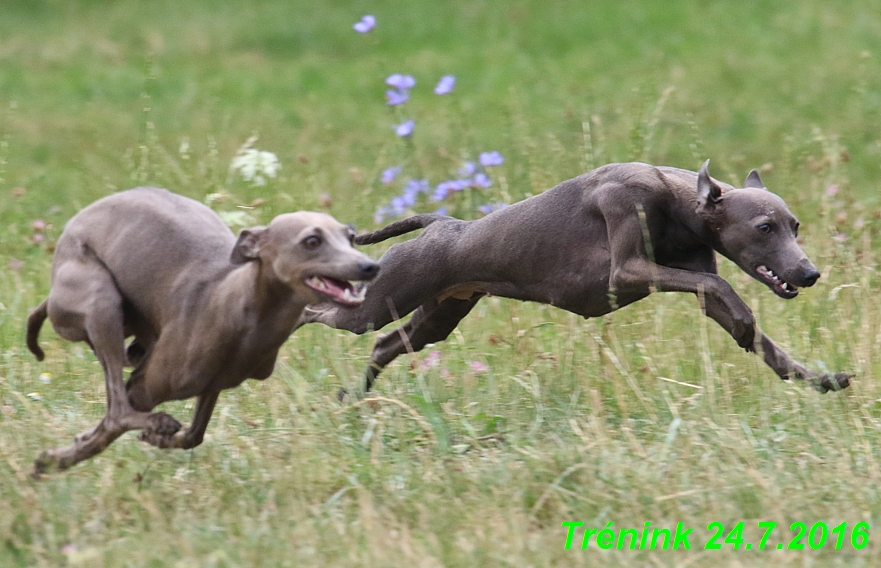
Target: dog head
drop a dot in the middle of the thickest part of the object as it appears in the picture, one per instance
(312, 254)
(754, 228)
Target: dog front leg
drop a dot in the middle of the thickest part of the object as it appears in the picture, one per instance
(722, 302)
(775, 357)
(788, 368)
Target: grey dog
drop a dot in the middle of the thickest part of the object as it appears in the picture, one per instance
(207, 311)
(590, 245)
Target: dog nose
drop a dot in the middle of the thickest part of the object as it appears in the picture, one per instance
(811, 276)
(368, 269)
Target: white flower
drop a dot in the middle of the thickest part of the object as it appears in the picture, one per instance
(256, 165)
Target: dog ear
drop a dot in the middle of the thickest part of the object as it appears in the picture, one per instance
(753, 180)
(708, 191)
(248, 245)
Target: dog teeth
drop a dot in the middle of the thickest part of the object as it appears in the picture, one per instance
(317, 283)
(353, 296)
(349, 295)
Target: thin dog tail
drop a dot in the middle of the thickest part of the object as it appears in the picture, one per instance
(399, 228)
(35, 322)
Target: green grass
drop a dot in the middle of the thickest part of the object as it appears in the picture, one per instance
(573, 421)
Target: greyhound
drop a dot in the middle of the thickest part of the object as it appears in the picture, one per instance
(207, 311)
(590, 245)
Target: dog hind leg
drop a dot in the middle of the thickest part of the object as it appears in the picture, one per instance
(431, 322)
(85, 305)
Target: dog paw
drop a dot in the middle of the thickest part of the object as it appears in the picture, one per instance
(831, 382)
(182, 440)
(158, 440)
(49, 461)
(45, 463)
(163, 424)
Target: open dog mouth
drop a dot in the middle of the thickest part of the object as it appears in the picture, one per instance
(340, 291)
(780, 287)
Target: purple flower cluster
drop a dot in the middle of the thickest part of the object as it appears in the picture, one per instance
(401, 85)
(445, 85)
(491, 207)
(493, 158)
(389, 175)
(399, 204)
(405, 128)
(445, 187)
(400, 91)
(470, 175)
(366, 24)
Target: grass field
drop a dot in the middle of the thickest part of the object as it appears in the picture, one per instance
(527, 417)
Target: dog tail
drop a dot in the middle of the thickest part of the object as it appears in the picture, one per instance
(35, 322)
(399, 228)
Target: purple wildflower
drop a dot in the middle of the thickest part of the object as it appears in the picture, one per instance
(389, 175)
(440, 211)
(441, 192)
(401, 202)
(416, 186)
(366, 24)
(460, 184)
(467, 169)
(401, 82)
(386, 211)
(445, 85)
(478, 366)
(491, 207)
(493, 158)
(396, 97)
(445, 187)
(405, 128)
(481, 180)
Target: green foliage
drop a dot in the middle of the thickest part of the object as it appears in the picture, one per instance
(650, 414)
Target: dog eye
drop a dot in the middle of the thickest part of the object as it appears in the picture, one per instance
(765, 228)
(312, 242)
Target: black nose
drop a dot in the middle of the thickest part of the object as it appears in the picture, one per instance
(368, 269)
(811, 276)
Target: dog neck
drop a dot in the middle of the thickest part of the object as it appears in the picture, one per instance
(261, 296)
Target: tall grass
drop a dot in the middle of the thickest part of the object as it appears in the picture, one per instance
(649, 414)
